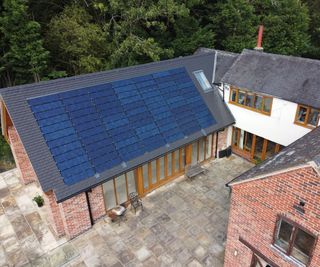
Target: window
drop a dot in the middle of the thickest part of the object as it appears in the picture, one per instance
(203, 81)
(252, 101)
(307, 116)
(258, 262)
(294, 241)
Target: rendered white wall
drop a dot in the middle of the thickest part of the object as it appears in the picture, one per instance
(279, 127)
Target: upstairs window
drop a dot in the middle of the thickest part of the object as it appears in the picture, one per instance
(307, 116)
(203, 81)
(294, 241)
(252, 101)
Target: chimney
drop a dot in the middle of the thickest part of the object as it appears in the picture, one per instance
(259, 41)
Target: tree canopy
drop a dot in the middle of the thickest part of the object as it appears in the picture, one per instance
(47, 39)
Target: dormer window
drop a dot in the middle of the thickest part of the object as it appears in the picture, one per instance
(203, 81)
(307, 116)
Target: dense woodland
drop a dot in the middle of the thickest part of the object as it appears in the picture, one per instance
(48, 39)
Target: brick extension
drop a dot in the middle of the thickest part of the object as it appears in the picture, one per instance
(71, 217)
(255, 206)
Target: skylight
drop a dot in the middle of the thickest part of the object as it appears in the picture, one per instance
(203, 81)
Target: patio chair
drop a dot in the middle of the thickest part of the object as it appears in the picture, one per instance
(118, 213)
(135, 201)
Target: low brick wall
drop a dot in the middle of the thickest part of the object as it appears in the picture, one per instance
(75, 215)
(254, 210)
(97, 203)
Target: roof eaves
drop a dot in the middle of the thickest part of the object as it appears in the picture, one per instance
(266, 175)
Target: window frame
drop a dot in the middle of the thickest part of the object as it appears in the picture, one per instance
(305, 123)
(244, 105)
(295, 228)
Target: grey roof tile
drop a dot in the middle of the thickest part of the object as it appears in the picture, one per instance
(294, 79)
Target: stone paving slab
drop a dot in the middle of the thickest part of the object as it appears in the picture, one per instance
(183, 224)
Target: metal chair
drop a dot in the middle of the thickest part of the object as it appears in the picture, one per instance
(135, 201)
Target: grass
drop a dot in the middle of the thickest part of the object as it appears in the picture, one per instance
(6, 157)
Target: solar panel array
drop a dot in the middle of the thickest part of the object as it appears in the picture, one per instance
(93, 129)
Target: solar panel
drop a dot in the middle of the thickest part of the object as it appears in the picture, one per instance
(91, 130)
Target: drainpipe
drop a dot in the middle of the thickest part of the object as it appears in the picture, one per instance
(217, 137)
(214, 66)
(89, 207)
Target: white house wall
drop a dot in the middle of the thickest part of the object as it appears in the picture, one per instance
(279, 127)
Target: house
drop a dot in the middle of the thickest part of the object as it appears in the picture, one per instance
(90, 140)
(274, 98)
(274, 217)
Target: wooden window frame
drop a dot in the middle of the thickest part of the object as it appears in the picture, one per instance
(295, 228)
(254, 96)
(305, 123)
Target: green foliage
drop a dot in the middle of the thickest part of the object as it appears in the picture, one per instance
(6, 158)
(39, 200)
(23, 58)
(77, 45)
(314, 28)
(235, 25)
(92, 35)
(286, 26)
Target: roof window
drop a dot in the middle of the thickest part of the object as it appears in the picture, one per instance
(203, 81)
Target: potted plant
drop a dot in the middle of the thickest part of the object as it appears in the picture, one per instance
(39, 200)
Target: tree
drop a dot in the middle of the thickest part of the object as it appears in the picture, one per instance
(286, 26)
(314, 28)
(24, 58)
(77, 44)
(235, 25)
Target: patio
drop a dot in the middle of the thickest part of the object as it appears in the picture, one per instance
(182, 224)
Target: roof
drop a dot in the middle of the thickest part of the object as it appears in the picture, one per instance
(300, 152)
(294, 79)
(32, 109)
(224, 61)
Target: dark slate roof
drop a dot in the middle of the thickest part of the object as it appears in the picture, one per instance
(294, 79)
(302, 151)
(50, 178)
(224, 61)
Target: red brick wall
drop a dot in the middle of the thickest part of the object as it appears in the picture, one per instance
(97, 202)
(27, 174)
(70, 217)
(55, 217)
(222, 141)
(75, 215)
(254, 209)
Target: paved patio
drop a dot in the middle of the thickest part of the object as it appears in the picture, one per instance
(183, 224)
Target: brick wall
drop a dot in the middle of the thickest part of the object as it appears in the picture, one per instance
(27, 174)
(70, 217)
(254, 209)
(75, 215)
(54, 214)
(222, 141)
(97, 203)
